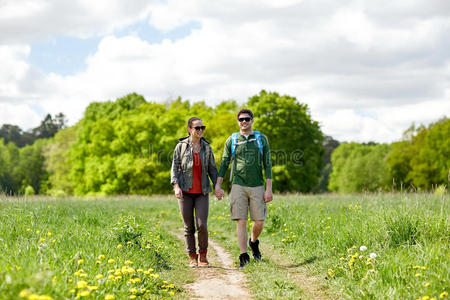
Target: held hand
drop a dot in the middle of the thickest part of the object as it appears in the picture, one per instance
(178, 193)
(268, 196)
(219, 193)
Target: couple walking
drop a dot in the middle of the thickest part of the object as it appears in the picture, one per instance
(193, 165)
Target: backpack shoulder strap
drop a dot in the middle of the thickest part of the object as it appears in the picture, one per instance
(234, 138)
(258, 141)
(183, 149)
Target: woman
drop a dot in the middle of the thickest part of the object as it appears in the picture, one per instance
(193, 161)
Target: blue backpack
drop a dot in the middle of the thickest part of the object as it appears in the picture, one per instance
(235, 143)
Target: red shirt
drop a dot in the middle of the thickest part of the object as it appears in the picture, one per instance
(196, 175)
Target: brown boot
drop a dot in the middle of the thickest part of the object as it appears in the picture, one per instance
(203, 260)
(194, 260)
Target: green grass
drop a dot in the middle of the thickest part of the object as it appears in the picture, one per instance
(46, 242)
(410, 235)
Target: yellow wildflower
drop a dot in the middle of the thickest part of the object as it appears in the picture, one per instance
(42, 240)
(99, 276)
(53, 278)
(111, 261)
(132, 297)
(92, 287)
(171, 293)
(427, 284)
(82, 284)
(119, 246)
(49, 233)
(28, 229)
(128, 262)
(101, 256)
(72, 291)
(80, 261)
(24, 293)
(110, 297)
(38, 231)
(443, 295)
(85, 293)
(418, 275)
(111, 277)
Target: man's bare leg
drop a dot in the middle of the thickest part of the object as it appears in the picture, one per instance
(257, 228)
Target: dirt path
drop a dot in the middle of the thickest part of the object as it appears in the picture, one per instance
(221, 280)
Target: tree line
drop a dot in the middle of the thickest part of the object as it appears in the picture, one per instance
(125, 147)
(419, 162)
(48, 127)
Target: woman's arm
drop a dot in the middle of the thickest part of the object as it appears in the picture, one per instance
(212, 168)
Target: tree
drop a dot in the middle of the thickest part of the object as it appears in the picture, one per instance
(11, 133)
(46, 129)
(358, 167)
(9, 156)
(30, 168)
(329, 145)
(58, 163)
(422, 159)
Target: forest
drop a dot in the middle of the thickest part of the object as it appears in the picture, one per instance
(125, 147)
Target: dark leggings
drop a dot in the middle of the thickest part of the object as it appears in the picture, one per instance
(199, 204)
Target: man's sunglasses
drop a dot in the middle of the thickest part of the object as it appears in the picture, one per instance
(247, 119)
(198, 128)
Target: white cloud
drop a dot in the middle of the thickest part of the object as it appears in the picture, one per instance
(357, 71)
(25, 21)
(22, 115)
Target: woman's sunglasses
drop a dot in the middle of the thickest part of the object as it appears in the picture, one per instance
(198, 128)
(245, 119)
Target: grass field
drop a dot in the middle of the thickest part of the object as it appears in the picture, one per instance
(380, 246)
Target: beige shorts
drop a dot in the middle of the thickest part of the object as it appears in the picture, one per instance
(243, 198)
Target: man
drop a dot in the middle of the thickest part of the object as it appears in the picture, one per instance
(250, 153)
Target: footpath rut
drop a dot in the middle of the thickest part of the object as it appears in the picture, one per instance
(221, 280)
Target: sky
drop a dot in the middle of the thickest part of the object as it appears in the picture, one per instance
(367, 70)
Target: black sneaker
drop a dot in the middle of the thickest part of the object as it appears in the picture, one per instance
(255, 249)
(243, 259)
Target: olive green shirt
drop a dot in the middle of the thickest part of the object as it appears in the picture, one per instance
(248, 164)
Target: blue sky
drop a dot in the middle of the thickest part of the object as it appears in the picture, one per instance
(66, 55)
(366, 69)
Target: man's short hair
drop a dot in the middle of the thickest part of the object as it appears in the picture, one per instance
(245, 111)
